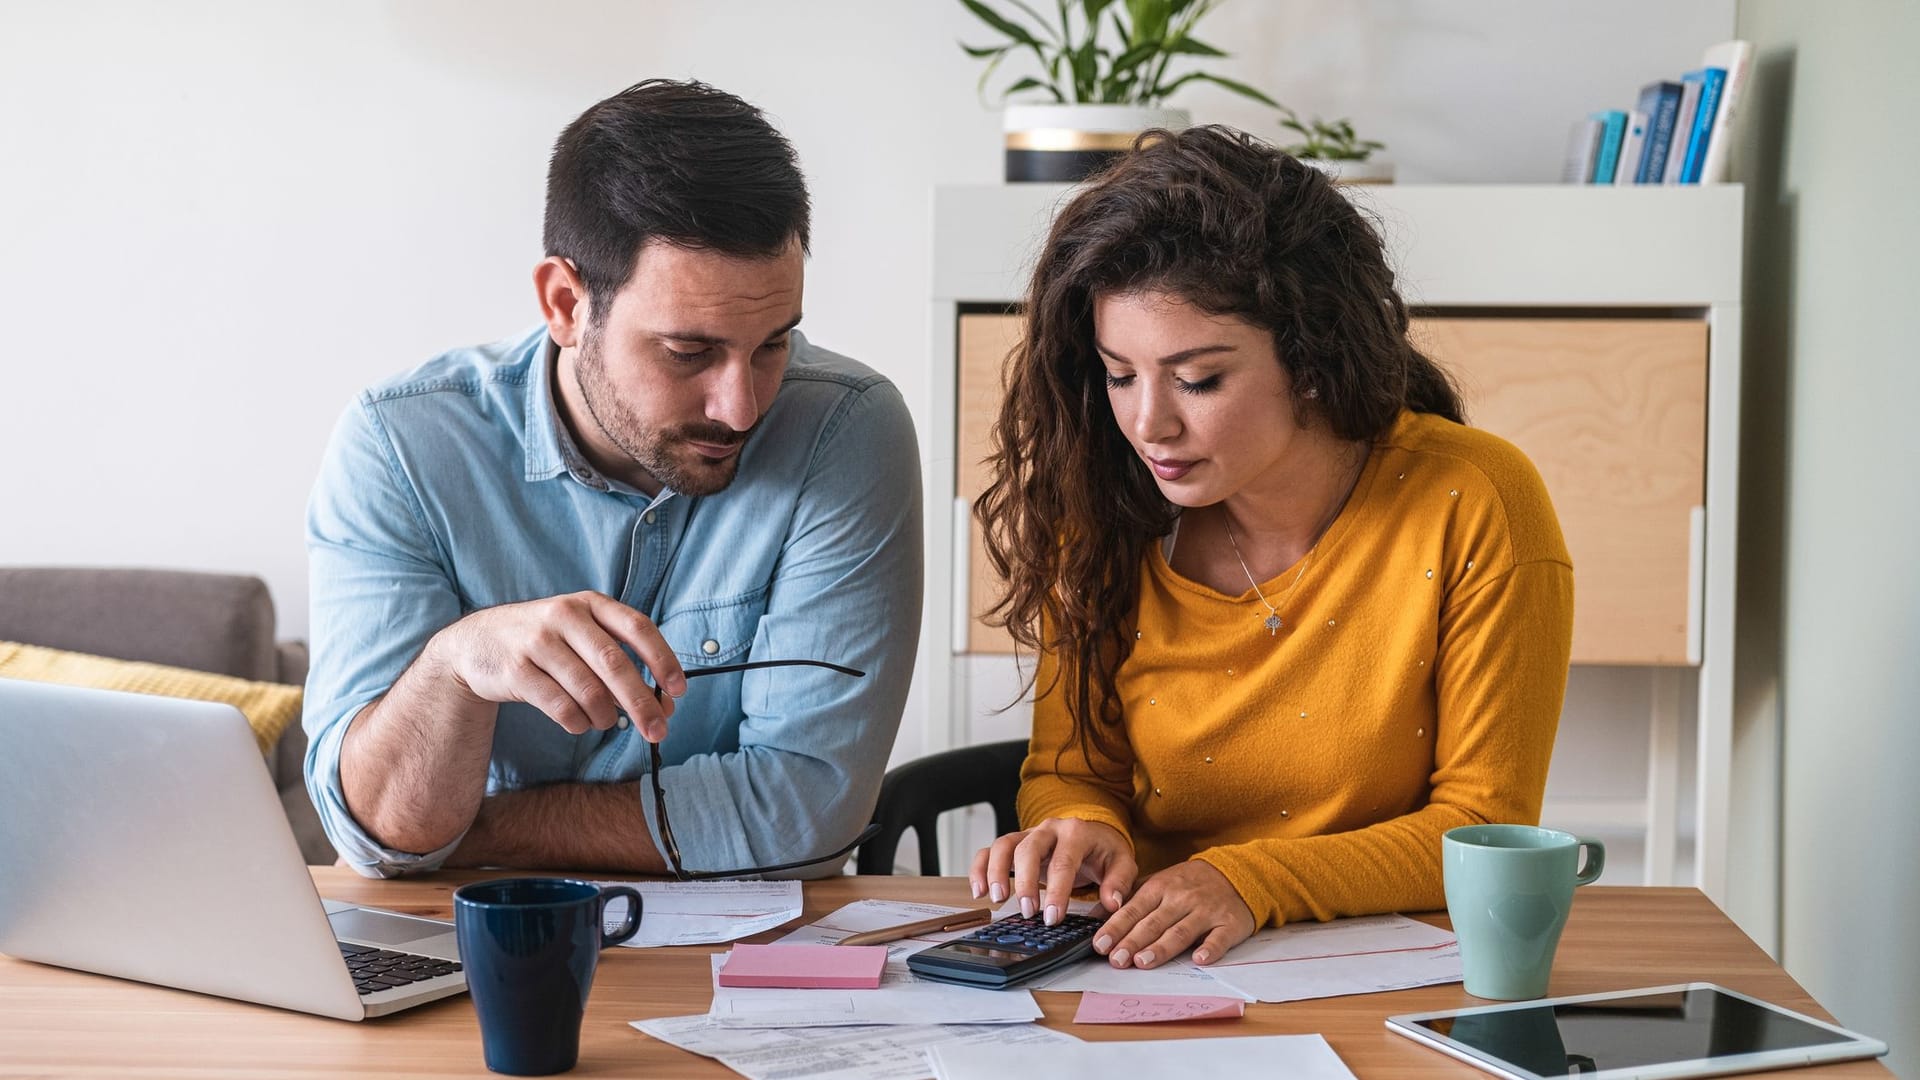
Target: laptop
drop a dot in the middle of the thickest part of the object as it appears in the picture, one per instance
(142, 837)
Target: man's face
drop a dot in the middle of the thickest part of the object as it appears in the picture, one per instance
(682, 365)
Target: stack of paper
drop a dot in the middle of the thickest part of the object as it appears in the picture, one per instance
(705, 912)
(900, 999)
(1298, 1057)
(894, 1052)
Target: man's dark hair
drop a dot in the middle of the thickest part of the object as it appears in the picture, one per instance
(673, 161)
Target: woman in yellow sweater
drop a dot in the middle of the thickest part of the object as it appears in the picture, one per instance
(1294, 619)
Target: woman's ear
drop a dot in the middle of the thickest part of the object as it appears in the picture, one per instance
(563, 300)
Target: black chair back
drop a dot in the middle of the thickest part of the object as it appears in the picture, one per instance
(914, 795)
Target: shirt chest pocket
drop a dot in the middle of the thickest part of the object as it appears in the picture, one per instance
(714, 632)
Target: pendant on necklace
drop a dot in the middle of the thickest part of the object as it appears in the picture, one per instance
(1273, 625)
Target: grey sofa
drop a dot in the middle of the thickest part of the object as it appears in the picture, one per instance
(221, 623)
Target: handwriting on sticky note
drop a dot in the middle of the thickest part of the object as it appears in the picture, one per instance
(1099, 1008)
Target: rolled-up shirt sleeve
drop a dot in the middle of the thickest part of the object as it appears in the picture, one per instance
(379, 589)
(813, 743)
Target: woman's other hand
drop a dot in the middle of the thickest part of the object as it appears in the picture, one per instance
(1174, 909)
(1063, 853)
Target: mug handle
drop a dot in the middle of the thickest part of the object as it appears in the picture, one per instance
(632, 924)
(1596, 861)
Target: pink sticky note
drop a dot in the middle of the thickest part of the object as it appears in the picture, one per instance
(1098, 1008)
(805, 967)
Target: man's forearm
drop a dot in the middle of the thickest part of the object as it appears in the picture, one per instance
(572, 826)
(413, 764)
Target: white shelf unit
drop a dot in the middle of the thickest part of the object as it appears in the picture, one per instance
(1480, 250)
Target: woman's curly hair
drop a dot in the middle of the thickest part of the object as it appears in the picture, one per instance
(1234, 227)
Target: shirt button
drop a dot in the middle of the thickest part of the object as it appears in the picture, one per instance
(709, 646)
(647, 517)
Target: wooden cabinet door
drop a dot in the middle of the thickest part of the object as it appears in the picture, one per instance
(985, 341)
(1611, 411)
(1613, 414)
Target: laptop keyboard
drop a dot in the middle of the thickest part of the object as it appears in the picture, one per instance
(375, 970)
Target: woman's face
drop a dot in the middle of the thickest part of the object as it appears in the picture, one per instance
(1202, 398)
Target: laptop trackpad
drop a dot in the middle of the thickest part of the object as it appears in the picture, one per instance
(379, 928)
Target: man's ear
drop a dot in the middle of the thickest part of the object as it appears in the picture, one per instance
(563, 300)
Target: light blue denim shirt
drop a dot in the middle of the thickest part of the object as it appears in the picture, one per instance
(455, 487)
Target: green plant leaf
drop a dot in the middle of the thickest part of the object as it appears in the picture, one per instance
(1150, 18)
(1187, 46)
(980, 88)
(1231, 84)
(1029, 83)
(1085, 73)
(1093, 8)
(1045, 26)
(984, 52)
(1133, 57)
(1001, 23)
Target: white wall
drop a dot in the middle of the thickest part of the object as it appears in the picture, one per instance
(1831, 499)
(218, 220)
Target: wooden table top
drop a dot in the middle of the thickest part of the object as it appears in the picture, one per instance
(55, 1022)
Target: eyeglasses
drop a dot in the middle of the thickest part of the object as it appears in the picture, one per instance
(660, 797)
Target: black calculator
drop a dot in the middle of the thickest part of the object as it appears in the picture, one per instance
(1010, 951)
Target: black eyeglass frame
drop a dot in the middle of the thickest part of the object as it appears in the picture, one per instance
(672, 846)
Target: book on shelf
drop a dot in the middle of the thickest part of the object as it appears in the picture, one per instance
(1583, 146)
(1613, 127)
(1711, 80)
(1631, 142)
(1660, 101)
(1682, 126)
(1736, 59)
(1676, 133)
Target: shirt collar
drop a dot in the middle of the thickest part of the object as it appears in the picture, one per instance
(551, 450)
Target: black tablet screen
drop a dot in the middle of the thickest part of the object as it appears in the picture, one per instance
(1618, 1033)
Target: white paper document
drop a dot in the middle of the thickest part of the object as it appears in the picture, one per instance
(1173, 977)
(1346, 956)
(1297, 1057)
(837, 1053)
(900, 999)
(705, 912)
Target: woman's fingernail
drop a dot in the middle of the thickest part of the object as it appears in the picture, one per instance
(1145, 959)
(998, 892)
(976, 889)
(1053, 914)
(1102, 943)
(1120, 957)
(1199, 956)
(1026, 906)
(1115, 896)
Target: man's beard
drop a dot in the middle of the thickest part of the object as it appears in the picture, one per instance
(662, 452)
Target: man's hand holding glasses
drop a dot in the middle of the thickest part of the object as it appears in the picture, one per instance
(566, 656)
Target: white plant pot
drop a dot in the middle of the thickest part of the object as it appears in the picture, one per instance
(1065, 143)
(1354, 172)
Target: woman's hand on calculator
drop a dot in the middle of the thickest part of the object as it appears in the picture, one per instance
(1062, 853)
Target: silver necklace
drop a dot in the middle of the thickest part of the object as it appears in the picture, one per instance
(1273, 622)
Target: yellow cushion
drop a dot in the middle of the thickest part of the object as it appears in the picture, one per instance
(268, 707)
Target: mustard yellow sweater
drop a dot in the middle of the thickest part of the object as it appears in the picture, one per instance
(1416, 686)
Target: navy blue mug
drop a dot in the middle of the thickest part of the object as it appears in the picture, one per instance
(530, 947)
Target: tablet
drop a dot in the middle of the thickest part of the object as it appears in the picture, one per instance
(1689, 1029)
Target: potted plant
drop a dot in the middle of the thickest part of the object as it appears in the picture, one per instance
(1103, 78)
(1331, 147)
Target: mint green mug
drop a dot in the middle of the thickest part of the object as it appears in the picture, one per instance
(1509, 888)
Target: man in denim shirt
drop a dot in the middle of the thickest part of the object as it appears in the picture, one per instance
(510, 543)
